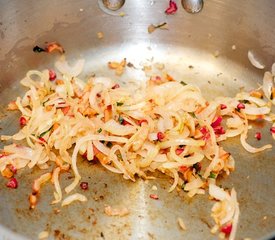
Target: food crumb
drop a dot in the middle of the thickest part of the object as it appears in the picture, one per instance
(234, 47)
(265, 217)
(100, 35)
(181, 223)
(247, 239)
(43, 235)
(154, 188)
(216, 53)
(116, 212)
(122, 14)
(248, 177)
(81, 9)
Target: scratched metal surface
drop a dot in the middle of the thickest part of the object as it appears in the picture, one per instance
(190, 40)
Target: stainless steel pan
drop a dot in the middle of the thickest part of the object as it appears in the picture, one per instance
(190, 40)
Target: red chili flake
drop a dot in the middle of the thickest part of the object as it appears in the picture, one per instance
(98, 95)
(12, 168)
(258, 136)
(240, 106)
(183, 168)
(52, 75)
(116, 86)
(84, 155)
(23, 121)
(124, 122)
(12, 183)
(142, 121)
(272, 129)
(172, 8)
(217, 122)
(227, 229)
(84, 185)
(160, 136)
(179, 151)
(42, 140)
(219, 130)
(154, 196)
(223, 106)
(205, 133)
(65, 110)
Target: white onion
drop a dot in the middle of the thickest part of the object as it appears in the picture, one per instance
(255, 62)
(196, 183)
(72, 71)
(217, 192)
(267, 84)
(117, 129)
(72, 198)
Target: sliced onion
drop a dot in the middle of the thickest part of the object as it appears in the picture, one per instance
(116, 212)
(267, 84)
(255, 62)
(181, 141)
(117, 129)
(73, 71)
(217, 192)
(72, 198)
(196, 183)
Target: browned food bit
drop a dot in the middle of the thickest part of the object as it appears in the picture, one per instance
(116, 211)
(152, 27)
(119, 67)
(54, 46)
(12, 106)
(36, 188)
(108, 113)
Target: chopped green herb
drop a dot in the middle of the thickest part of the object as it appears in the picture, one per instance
(183, 83)
(244, 101)
(102, 141)
(192, 114)
(120, 119)
(99, 130)
(109, 144)
(212, 175)
(38, 49)
(44, 133)
(197, 167)
(183, 186)
(45, 102)
(119, 103)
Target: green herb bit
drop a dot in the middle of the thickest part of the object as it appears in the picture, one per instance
(99, 130)
(44, 133)
(119, 104)
(212, 175)
(120, 119)
(183, 83)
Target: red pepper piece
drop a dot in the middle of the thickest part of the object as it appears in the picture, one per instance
(84, 185)
(160, 136)
(23, 121)
(217, 122)
(154, 196)
(227, 229)
(179, 151)
(12, 183)
(223, 106)
(240, 106)
(52, 75)
(258, 136)
(116, 86)
(172, 8)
